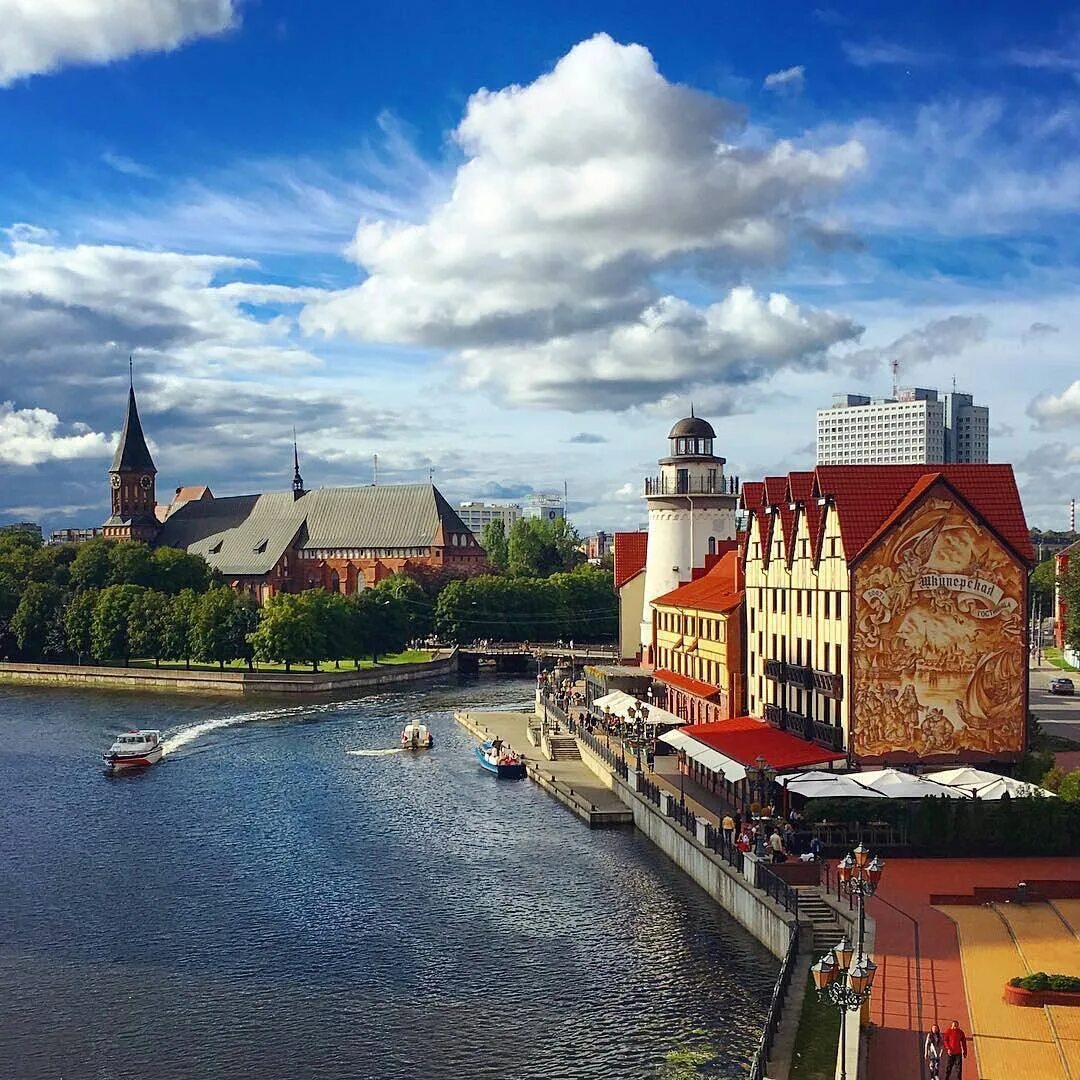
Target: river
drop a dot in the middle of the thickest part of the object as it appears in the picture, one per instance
(266, 904)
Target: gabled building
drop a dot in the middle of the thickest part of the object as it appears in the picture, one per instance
(630, 550)
(885, 610)
(698, 644)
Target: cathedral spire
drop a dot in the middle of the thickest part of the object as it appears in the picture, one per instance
(297, 480)
(132, 453)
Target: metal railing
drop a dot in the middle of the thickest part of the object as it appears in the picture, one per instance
(775, 1013)
(776, 887)
(683, 816)
(716, 841)
(615, 761)
(647, 788)
(690, 485)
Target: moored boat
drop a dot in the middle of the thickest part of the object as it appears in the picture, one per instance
(134, 750)
(415, 736)
(500, 760)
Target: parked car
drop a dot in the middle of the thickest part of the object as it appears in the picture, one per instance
(1061, 686)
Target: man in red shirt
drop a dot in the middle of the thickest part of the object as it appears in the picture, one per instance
(955, 1042)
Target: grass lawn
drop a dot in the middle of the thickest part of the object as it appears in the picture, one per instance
(409, 656)
(1053, 656)
(814, 1056)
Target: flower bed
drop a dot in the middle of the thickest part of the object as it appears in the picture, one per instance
(1042, 989)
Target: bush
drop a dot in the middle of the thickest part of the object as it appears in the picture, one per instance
(1039, 982)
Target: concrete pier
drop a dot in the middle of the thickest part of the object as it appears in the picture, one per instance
(573, 783)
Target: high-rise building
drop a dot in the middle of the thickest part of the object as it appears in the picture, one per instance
(476, 515)
(544, 506)
(917, 427)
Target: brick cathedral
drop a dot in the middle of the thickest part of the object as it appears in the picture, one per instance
(343, 539)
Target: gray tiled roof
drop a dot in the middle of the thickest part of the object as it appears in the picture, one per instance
(230, 536)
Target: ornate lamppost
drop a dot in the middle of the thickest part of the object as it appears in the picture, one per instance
(631, 718)
(764, 774)
(844, 977)
(643, 716)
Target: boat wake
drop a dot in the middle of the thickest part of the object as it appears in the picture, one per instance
(191, 733)
(377, 753)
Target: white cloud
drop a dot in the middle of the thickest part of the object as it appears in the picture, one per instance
(1057, 410)
(939, 338)
(32, 436)
(127, 166)
(578, 189)
(874, 53)
(791, 79)
(44, 35)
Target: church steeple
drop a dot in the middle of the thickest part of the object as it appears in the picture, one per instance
(297, 480)
(131, 477)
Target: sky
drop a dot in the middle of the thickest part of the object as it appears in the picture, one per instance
(507, 245)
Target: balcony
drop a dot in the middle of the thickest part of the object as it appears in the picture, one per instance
(805, 727)
(806, 678)
(774, 670)
(691, 485)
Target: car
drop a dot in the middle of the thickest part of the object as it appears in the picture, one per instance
(1061, 686)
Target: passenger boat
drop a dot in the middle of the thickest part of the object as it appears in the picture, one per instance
(416, 736)
(503, 762)
(134, 750)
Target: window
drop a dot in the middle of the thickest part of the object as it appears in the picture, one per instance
(798, 601)
(783, 602)
(839, 659)
(798, 652)
(753, 620)
(839, 595)
(827, 596)
(773, 600)
(809, 601)
(712, 545)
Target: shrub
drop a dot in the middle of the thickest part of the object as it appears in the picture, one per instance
(1039, 981)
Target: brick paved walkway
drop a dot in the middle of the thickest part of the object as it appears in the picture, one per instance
(895, 1046)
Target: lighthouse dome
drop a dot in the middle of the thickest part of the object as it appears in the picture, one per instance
(692, 426)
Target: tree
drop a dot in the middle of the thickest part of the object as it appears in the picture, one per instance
(176, 631)
(130, 563)
(38, 620)
(1069, 584)
(1069, 788)
(91, 567)
(494, 541)
(110, 627)
(330, 612)
(78, 623)
(539, 547)
(174, 570)
(148, 621)
(286, 632)
(1041, 593)
(410, 605)
(381, 624)
(214, 627)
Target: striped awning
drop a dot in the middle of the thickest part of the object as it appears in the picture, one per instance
(705, 756)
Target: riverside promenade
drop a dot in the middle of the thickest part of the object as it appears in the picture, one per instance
(567, 779)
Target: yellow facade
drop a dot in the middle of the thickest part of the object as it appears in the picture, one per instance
(706, 646)
(631, 601)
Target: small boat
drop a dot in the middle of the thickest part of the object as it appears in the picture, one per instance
(134, 750)
(416, 736)
(502, 762)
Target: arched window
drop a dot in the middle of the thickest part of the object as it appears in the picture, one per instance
(335, 581)
(712, 545)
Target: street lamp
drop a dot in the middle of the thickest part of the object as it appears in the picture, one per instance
(643, 716)
(764, 774)
(844, 977)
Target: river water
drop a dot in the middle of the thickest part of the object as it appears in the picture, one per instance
(266, 904)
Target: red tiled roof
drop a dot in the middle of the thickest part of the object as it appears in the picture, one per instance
(718, 590)
(684, 682)
(867, 495)
(801, 485)
(630, 548)
(776, 490)
(753, 494)
(746, 737)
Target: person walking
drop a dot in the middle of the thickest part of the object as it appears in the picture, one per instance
(776, 844)
(954, 1042)
(728, 825)
(932, 1051)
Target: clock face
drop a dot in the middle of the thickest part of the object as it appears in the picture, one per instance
(145, 482)
(115, 480)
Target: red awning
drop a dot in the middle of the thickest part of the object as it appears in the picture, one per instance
(684, 682)
(746, 738)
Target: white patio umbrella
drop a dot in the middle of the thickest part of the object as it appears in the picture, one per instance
(987, 785)
(895, 784)
(828, 785)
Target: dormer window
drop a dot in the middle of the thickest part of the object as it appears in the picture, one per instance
(260, 547)
(215, 549)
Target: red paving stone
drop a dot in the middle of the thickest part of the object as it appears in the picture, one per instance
(895, 1043)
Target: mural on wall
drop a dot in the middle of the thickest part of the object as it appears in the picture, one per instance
(939, 649)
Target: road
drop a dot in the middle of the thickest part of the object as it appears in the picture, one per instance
(1059, 715)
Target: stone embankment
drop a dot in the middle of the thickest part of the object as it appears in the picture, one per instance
(225, 682)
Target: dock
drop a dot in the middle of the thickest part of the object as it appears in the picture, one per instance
(567, 779)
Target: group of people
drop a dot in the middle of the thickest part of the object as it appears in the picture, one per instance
(948, 1047)
(769, 837)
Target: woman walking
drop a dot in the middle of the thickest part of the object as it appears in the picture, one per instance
(933, 1050)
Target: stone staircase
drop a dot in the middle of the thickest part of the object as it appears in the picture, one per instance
(827, 927)
(561, 748)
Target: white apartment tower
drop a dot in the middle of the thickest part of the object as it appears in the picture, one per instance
(917, 427)
(691, 510)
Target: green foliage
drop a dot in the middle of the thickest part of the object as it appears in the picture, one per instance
(130, 563)
(1041, 981)
(217, 632)
(1069, 787)
(1041, 593)
(91, 566)
(538, 547)
(411, 611)
(78, 623)
(38, 622)
(578, 606)
(1069, 585)
(1052, 780)
(110, 628)
(495, 543)
(147, 624)
(286, 633)
(179, 616)
(174, 570)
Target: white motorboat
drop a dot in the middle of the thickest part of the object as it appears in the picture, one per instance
(415, 736)
(134, 750)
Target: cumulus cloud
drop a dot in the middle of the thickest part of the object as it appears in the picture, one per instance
(939, 338)
(576, 191)
(790, 80)
(45, 35)
(33, 436)
(1057, 410)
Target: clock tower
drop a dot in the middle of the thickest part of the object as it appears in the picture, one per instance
(131, 483)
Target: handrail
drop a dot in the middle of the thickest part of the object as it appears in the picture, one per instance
(775, 886)
(775, 1011)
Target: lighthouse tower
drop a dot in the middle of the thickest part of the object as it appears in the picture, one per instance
(691, 511)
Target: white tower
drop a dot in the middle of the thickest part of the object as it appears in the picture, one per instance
(691, 511)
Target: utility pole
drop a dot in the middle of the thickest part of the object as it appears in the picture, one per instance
(375, 470)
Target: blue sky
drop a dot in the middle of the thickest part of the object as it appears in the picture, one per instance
(461, 236)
